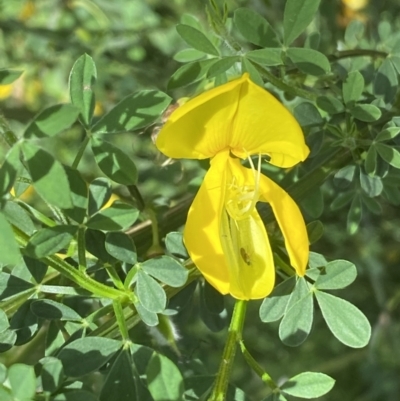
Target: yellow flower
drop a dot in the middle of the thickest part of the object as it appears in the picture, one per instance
(224, 233)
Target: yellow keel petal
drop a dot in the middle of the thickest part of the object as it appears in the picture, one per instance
(291, 223)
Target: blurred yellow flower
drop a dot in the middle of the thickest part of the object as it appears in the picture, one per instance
(224, 233)
(5, 91)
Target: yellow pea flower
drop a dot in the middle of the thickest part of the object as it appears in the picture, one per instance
(224, 233)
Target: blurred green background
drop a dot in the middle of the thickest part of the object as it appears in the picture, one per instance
(133, 43)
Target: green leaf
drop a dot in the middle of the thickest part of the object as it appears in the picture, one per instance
(274, 306)
(79, 195)
(9, 169)
(212, 308)
(75, 395)
(344, 177)
(24, 323)
(52, 310)
(190, 73)
(7, 341)
(113, 162)
(4, 325)
(297, 16)
(86, 355)
(330, 104)
(19, 217)
(346, 322)
(174, 244)
(372, 205)
(52, 374)
(119, 216)
(307, 114)
(389, 154)
(354, 33)
(386, 82)
(213, 300)
(187, 55)
(296, 324)
(275, 397)
(8, 76)
(95, 244)
(149, 318)
(354, 215)
(313, 40)
(48, 241)
(384, 30)
(315, 230)
(164, 379)
(371, 160)
(135, 111)
(48, 176)
(81, 81)
(248, 66)
(22, 380)
(342, 199)
(54, 338)
(314, 203)
(366, 112)
(388, 134)
(336, 275)
(11, 285)
(268, 57)
(315, 260)
(254, 28)
(3, 372)
(166, 270)
(100, 191)
(221, 66)
(120, 382)
(36, 268)
(372, 186)
(196, 39)
(52, 121)
(309, 61)
(353, 87)
(308, 385)
(10, 254)
(121, 247)
(151, 295)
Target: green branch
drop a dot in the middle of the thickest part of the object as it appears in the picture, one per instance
(234, 336)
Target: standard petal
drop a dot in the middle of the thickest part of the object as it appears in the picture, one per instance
(263, 125)
(202, 230)
(290, 221)
(202, 127)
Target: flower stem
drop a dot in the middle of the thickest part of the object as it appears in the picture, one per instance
(234, 336)
(119, 315)
(265, 377)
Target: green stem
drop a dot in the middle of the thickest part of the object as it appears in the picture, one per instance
(82, 279)
(284, 86)
(119, 315)
(265, 377)
(356, 53)
(112, 273)
(234, 336)
(81, 249)
(134, 191)
(81, 151)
